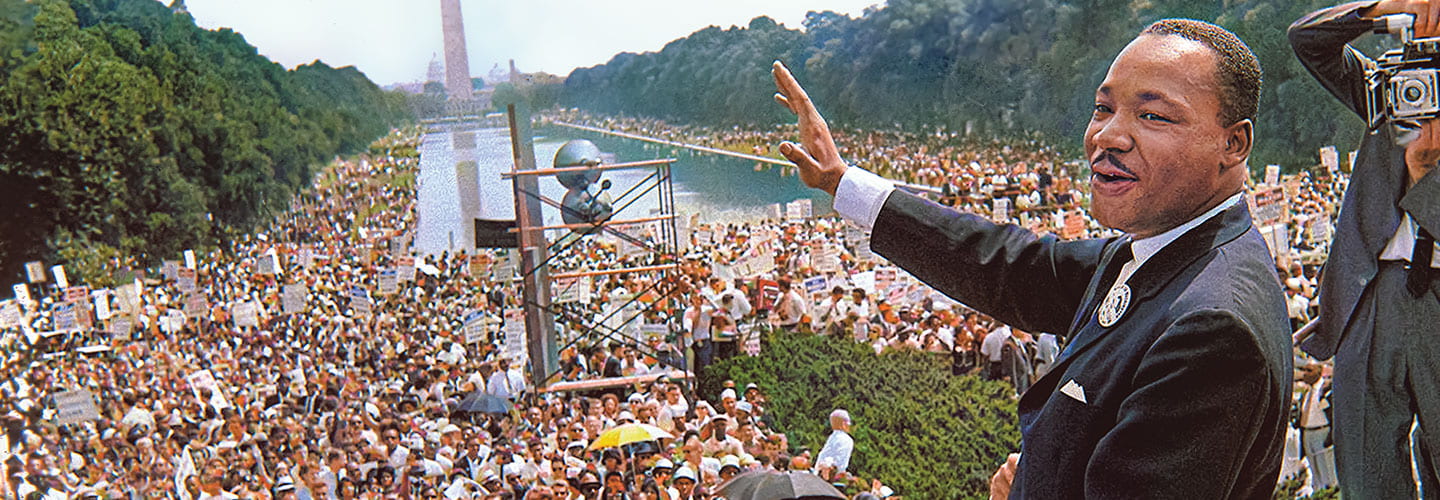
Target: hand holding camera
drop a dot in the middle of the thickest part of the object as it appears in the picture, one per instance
(1403, 87)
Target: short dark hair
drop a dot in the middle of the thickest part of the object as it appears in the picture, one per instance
(1238, 71)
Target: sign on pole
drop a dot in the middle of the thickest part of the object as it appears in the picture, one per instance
(360, 303)
(185, 279)
(120, 328)
(1074, 225)
(60, 280)
(22, 293)
(190, 259)
(1272, 175)
(406, 269)
(35, 272)
(388, 281)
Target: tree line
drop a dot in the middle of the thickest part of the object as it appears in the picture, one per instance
(126, 130)
(991, 66)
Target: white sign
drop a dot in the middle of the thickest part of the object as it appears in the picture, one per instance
(388, 280)
(9, 314)
(120, 328)
(573, 289)
(59, 272)
(195, 305)
(864, 281)
(292, 300)
(477, 325)
(1002, 209)
(127, 297)
(1330, 158)
(168, 269)
(406, 271)
(66, 316)
(190, 259)
(503, 269)
(201, 380)
(72, 407)
(246, 314)
(799, 210)
(267, 264)
(1320, 228)
(22, 292)
(360, 302)
(185, 279)
(514, 333)
(35, 272)
(102, 304)
(1272, 174)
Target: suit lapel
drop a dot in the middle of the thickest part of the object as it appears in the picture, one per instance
(1153, 276)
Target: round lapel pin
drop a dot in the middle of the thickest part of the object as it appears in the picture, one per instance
(1114, 305)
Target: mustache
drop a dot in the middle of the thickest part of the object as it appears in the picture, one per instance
(1111, 159)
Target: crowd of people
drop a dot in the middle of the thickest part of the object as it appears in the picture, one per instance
(318, 358)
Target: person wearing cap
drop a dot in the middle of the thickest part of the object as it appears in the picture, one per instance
(729, 467)
(684, 484)
(720, 442)
(834, 458)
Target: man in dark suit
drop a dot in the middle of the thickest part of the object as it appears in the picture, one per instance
(1379, 311)
(1175, 381)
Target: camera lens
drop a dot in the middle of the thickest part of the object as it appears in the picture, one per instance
(1413, 92)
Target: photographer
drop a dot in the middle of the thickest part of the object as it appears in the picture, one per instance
(1378, 302)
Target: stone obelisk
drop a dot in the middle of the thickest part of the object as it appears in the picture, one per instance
(457, 62)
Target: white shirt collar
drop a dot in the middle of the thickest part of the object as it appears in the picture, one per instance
(1144, 248)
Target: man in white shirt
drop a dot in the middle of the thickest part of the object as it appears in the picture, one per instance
(1169, 328)
(834, 458)
(992, 348)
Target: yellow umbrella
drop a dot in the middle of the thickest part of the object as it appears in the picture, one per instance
(621, 435)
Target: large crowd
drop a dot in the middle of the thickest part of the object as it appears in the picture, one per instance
(318, 358)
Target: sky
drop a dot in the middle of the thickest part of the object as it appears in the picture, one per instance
(393, 41)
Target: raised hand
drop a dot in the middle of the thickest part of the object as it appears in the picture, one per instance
(816, 155)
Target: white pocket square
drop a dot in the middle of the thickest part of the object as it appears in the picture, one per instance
(1074, 390)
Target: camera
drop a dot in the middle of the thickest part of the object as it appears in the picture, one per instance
(1402, 86)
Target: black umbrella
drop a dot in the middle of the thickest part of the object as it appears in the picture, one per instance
(479, 402)
(772, 485)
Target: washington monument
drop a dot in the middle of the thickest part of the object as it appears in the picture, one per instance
(457, 62)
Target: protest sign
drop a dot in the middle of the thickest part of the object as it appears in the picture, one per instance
(388, 280)
(101, 298)
(65, 316)
(22, 293)
(477, 326)
(59, 273)
(799, 210)
(360, 303)
(185, 279)
(572, 289)
(1074, 225)
(75, 406)
(815, 286)
(1269, 205)
(405, 269)
(168, 269)
(514, 346)
(120, 327)
(190, 259)
(35, 272)
(77, 293)
(1320, 228)
(1330, 158)
(267, 264)
(9, 314)
(195, 305)
(1002, 210)
(247, 314)
(1272, 175)
(292, 299)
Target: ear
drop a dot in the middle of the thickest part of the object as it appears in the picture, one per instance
(1239, 139)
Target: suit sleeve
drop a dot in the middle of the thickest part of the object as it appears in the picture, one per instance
(1321, 42)
(1034, 283)
(1201, 399)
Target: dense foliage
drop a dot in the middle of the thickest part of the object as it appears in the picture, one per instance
(124, 126)
(994, 65)
(919, 429)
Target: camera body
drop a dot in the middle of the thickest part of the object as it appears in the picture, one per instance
(1404, 84)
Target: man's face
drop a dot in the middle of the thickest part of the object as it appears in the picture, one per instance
(1155, 141)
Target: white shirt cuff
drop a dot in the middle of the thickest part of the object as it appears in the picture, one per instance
(860, 196)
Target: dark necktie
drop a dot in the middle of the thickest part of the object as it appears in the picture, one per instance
(1418, 281)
